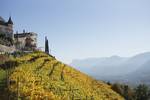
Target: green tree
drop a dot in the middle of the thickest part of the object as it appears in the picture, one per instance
(128, 93)
(46, 46)
(142, 92)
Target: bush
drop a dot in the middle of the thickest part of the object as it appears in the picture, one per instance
(8, 41)
(142, 92)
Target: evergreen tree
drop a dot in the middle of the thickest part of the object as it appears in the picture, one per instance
(46, 46)
(142, 92)
(128, 93)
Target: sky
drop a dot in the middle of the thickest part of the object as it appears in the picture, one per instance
(79, 29)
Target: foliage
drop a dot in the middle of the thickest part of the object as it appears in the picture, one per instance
(123, 90)
(46, 46)
(3, 58)
(2, 75)
(6, 40)
(142, 92)
(40, 76)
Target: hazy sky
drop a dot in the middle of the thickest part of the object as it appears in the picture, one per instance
(84, 28)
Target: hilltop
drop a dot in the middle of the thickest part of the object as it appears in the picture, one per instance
(40, 76)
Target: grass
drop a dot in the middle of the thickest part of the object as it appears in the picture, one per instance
(2, 75)
(3, 58)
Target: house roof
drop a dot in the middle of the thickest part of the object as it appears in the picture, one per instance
(21, 35)
(2, 20)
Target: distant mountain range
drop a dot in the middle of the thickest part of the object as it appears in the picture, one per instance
(134, 69)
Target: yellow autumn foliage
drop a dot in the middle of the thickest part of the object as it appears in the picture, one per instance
(41, 77)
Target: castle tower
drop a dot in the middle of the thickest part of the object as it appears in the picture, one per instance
(10, 21)
(10, 26)
(6, 27)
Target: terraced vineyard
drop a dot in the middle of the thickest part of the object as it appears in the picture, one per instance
(38, 76)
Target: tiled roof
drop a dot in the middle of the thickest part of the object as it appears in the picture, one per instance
(20, 35)
(2, 20)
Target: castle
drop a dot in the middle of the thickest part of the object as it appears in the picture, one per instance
(6, 27)
(25, 41)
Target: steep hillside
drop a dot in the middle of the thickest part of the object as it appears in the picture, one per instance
(38, 76)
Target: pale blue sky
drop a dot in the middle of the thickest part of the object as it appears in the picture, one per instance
(84, 28)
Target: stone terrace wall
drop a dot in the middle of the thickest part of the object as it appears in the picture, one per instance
(7, 49)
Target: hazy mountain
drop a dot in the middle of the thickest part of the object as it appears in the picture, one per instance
(141, 75)
(134, 68)
(98, 66)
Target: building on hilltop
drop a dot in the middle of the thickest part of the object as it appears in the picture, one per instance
(6, 27)
(26, 41)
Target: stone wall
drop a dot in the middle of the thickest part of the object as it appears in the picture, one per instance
(7, 49)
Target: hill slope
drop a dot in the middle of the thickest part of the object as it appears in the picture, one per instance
(38, 76)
